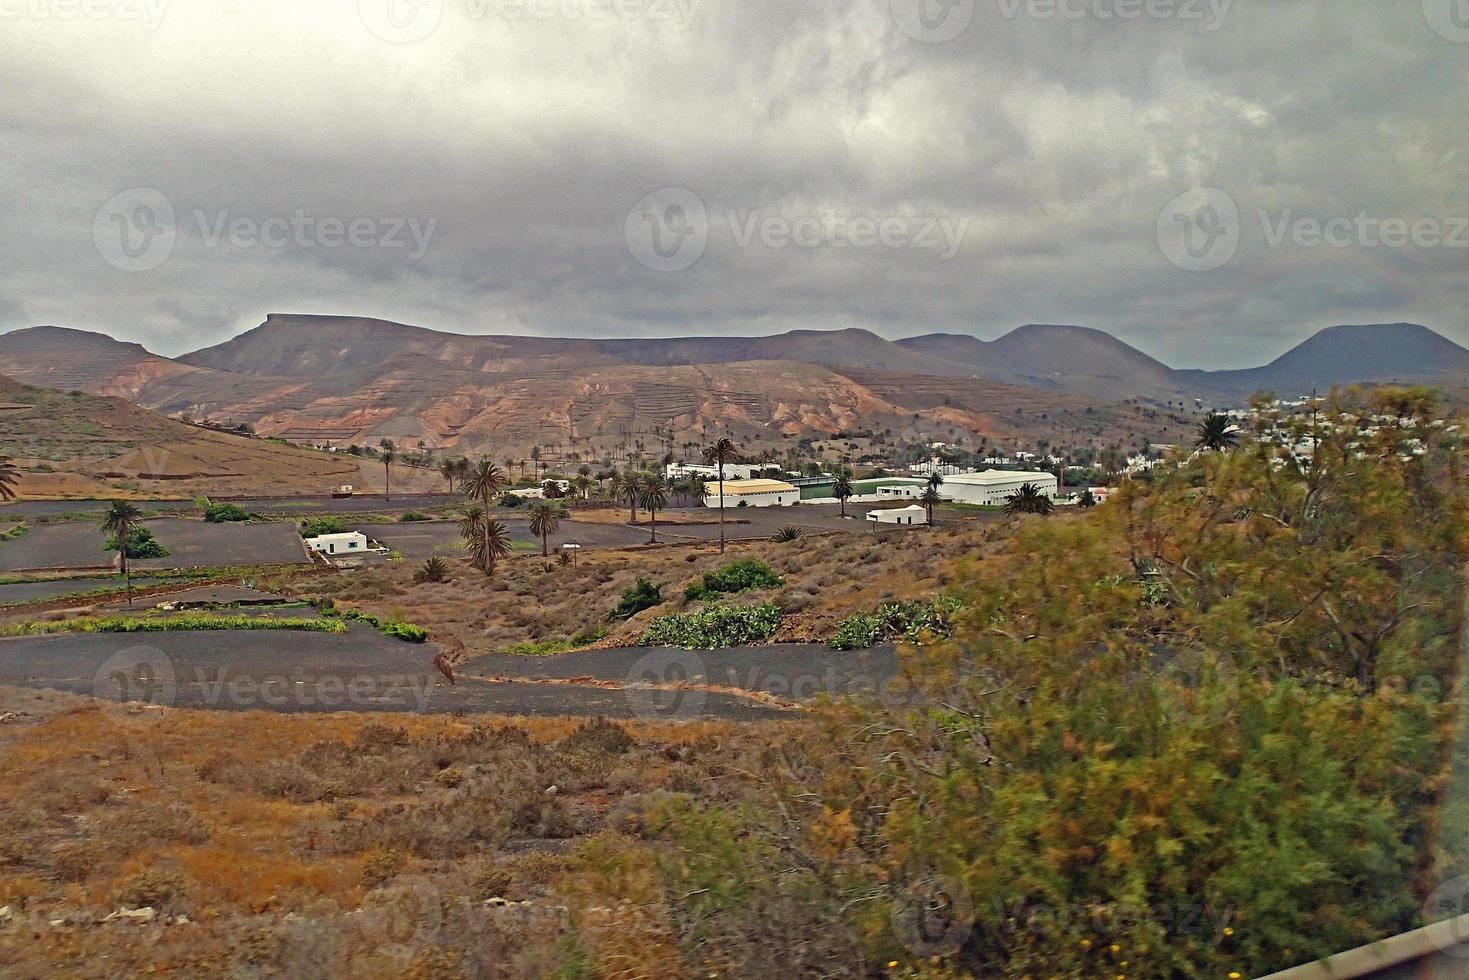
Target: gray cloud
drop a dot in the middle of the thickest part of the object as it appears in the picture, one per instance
(1055, 140)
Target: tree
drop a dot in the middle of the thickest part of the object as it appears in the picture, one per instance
(1088, 499)
(930, 497)
(1217, 432)
(625, 487)
(9, 477)
(653, 494)
(449, 469)
(121, 519)
(1028, 500)
(388, 455)
(483, 483)
(719, 453)
(544, 523)
(489, 540)
(843, 490)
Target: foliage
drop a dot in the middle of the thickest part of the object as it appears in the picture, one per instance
(713, 627)
(1179, 734)
(432, 570)
(788, 534)
(414, 517)
(163, 624)
(914, 621)
(641, 595)
(1029, 500)
(1217, 432)
(740, 575)
(315, 527)
(226, 513)
(511, 500)
(141, 544)
(398, 631)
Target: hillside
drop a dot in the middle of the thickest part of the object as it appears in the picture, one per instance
(1387, 352)
(1081, 360)
(71, 445)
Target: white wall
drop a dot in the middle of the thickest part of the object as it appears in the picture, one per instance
(777, 498)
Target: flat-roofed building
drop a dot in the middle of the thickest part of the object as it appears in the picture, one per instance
(753, 493)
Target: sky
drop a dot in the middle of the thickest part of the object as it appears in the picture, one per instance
(1210, 180)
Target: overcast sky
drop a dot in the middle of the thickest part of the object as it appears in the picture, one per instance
(173, 170)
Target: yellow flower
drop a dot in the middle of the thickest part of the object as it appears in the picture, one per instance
(1115, 948)
(892, 964)
(1234, 975)
(1086, 942)
(1229, 930)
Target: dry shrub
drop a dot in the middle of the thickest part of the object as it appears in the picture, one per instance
(156, 888)
(380, 867)
(598, 735)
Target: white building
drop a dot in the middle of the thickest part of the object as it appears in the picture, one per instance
(901, 515)
(993, 487)
(732, 471)
(752, 493)
(347, 543)
(902, 488)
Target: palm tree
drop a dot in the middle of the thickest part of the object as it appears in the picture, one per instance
(698, 489)
(583, 484)
(1028, 500)
(930, 497)
(9, 477)
(843, 490)
(461, 468)
(1217, 432)
(935, 480)
(388, 455)
(488, 540)
(653, 492)
(718, 453)
(543, 523)
(449, 469)
(1088, 499)
(625, 487)
(120, 521)
(483, 483)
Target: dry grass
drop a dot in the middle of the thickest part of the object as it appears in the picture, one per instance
(827, 578)
(262, 839)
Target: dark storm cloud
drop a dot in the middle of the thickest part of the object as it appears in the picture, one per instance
(853, 168)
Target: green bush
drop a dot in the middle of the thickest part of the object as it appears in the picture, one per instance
(433, 570)
(738, 576)
(643, 594)
(414, 517)
(716, 626)
(399, 631)
(141, 544)
(511, 500)
(314, 527)
(226, 513)
(889, 621)
(165, 624)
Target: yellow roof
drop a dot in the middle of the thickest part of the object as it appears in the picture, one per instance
(733, 487)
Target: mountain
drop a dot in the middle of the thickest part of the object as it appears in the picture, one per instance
(1065, 358)
(67, 359)
(1382, 352)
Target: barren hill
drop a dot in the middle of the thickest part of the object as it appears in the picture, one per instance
(75, 445)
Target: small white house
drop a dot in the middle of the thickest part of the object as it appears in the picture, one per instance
(753, 493)
(899, 515)
(336, 545)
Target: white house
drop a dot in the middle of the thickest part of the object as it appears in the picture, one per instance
(732, 471)
(753, 493)
(347, 543)
(902, 488)
(993, 487)
(902, 515)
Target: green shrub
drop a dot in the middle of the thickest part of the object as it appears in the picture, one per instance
(405, 631)
(225, 513)
(414, 517)
(165, 624)
(433, 570)
(643, 594)
(141, 544)
(716, 626)
(314, 527)
(909, 620)
(740, 575)
(511, 500)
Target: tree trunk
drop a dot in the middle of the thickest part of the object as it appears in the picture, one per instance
(653, 517)
(721, 506)
(122, 553)
(545, 544)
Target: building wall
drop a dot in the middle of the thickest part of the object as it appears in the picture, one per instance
(774, 498)
(994, 493)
